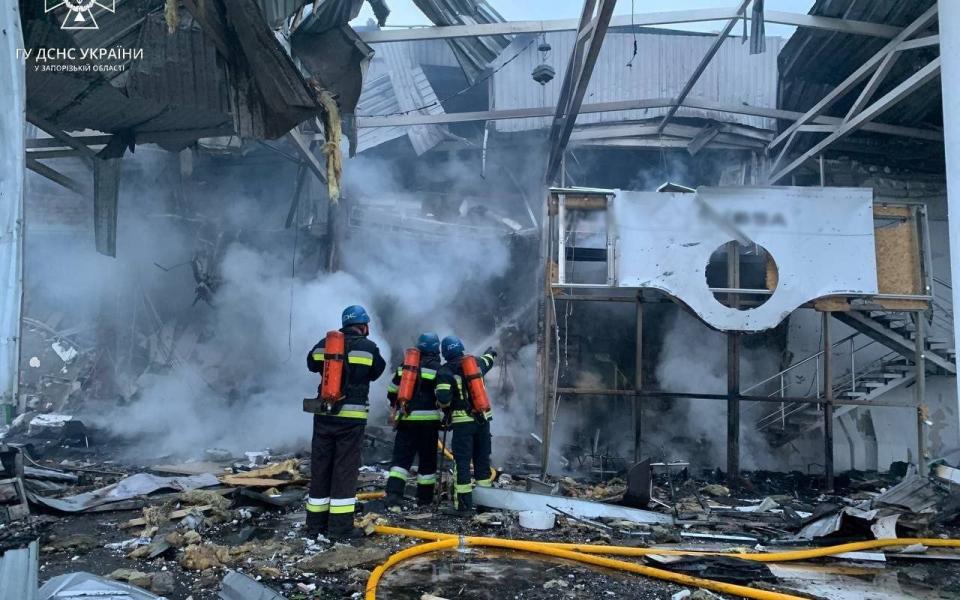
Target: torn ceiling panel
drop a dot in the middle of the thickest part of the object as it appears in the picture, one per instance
(473, 54)
(337, 59)
(397, 86)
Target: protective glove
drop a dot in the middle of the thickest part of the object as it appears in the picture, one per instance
(491, 351)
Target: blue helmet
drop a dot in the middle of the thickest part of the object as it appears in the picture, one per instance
(452, 347)
(429, 342)
(355, 315)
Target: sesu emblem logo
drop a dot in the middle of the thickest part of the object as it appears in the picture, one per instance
(78, 14)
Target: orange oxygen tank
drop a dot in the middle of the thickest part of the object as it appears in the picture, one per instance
(334, 357)
(408, 378)
(475, 387)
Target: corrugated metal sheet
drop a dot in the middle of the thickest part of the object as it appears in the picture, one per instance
(19, 572)
(431, 52)
(662, 66)
(179, 70)
(413, 92)
(13, 99)
(378, 99)
(473, 54)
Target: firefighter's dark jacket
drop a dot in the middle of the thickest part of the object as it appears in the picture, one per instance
(452, 392)
(364, 364)
(422, 408)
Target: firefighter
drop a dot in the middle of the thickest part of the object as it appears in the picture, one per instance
(417, 420)
(469, 417)
(338, 429)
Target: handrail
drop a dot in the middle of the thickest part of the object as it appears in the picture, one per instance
(797, 364)
(791, 408)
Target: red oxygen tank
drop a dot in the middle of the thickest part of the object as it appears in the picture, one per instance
(334, 356)
(408, 379)
(475, 387)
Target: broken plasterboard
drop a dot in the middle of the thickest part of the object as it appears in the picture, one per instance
(140, 484)
(514, 500)
(237, 586)
(87, 585)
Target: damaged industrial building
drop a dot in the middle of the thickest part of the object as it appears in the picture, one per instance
(703, 257)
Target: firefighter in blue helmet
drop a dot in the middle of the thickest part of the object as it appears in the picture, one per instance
(417, 422)
(471, 427)
(338, 431)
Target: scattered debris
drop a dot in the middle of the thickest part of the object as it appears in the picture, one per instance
(18, 573)
(237, 586)
(342, 557)
(80, 585)
(140, 484)
(516, 500)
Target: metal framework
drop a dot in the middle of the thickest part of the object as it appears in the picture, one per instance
(637, 20)
(591, 31)
(557, 291)
(105, 167)
(704, 63)
(877, 68)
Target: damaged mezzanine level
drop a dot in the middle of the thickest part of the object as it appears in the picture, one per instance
(742, 260)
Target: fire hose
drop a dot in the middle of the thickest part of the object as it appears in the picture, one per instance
(585, 553)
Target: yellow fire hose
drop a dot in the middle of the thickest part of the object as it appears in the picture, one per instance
(754, 556)
(584, 553)
(538, 548)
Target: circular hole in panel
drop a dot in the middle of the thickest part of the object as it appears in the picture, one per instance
(735, 266)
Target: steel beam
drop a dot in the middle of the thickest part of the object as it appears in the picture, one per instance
(626, 21)
(55, 176)
(914, 82)
(82, 150)
(624, 105)
(577, 78)
(638, 385)
(920, 388)
(857, 76)
(704, 63)
(866, 95)
(724, 397)
(304, 149)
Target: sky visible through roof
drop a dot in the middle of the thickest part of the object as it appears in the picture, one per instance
(404, 12)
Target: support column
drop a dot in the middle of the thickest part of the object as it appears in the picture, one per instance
(920, 390)
(638, 384)
(950, 83)
(545, 394)
(733, 408)
(12, 159)
(828, 405)
(733, 371)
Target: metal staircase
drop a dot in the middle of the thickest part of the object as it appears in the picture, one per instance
(898, 332)
(791, 420)
(891, 335)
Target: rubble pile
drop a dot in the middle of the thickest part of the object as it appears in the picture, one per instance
(206, 527)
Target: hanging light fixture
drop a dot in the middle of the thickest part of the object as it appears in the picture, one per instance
(543, 73)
